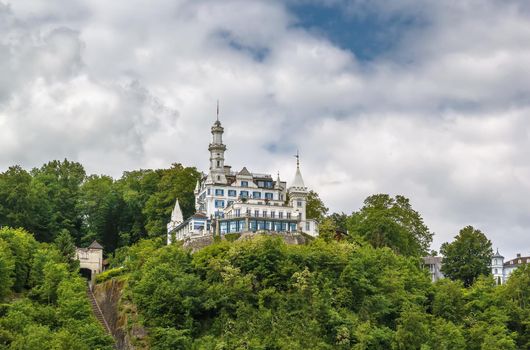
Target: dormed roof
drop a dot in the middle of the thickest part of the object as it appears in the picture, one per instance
(95, 245)
(245, 172)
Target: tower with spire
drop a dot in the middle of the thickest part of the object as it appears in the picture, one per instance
(298, 192)
(217, 150)
(497, 267)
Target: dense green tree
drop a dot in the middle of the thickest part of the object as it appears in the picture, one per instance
(176, 182)
(340, 220)
(66, 246)
(16, 201)
(105, 212)
(22, 246)
(468, 256)
(7, 269)
(516, 293)
(315, 208)
(448, 301)
(62, 181)
(390, 222)
(135, 188)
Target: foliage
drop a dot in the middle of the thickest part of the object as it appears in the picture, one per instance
(264, 294)
(468, 256)
(315, 208)
(48, 306)
(110, 273)
(65, 244)
(176, 182)
(59, 197)
(390, 222)
(7, 269)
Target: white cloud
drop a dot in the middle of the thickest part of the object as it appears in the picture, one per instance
(442, 118)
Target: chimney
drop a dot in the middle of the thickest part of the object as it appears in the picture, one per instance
(518, 255)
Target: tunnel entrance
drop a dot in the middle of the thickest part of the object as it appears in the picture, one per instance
(86, 273)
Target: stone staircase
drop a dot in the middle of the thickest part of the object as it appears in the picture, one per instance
(97, 310)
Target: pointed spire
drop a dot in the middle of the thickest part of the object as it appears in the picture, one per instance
(217, 109)
(497, 255)
(298, 181)
(197, 187)
(278, 182)
(176, 214)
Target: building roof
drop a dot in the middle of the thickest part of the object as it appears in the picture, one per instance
(497, 255)
(176, 214)
(515, 262)
(95, 245)
(245, 172)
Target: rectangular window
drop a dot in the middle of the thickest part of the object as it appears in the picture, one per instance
(243, 194)
(261, 184)
(244, 183)
(280, 215)
(208, 192)
(256, 195)
(268, 195)
(219, 203)
(288, 215)
(293, 227)
(273, 214)
(307, 226)
(264, 213)
(248, 212)
(232, 193)
(219, 192)
(256, 213)
(299, 204)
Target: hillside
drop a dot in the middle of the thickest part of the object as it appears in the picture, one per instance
(264, 294)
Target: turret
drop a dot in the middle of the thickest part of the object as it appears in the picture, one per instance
(298, 192)
(497, 267)
(176, 219)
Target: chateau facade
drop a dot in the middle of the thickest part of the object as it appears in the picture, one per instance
(229, 201)
(501, 270)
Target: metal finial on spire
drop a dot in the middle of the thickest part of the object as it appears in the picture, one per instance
(217, 109)
(297, 156)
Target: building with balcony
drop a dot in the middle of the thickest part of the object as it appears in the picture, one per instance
(228, 201)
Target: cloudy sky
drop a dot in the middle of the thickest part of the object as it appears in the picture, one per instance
(429, 99)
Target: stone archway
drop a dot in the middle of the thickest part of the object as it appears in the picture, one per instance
(86, 273)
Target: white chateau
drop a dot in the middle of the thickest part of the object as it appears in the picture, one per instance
(501, 270)
(229, 201)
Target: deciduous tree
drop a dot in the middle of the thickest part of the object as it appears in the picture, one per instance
(468, 256)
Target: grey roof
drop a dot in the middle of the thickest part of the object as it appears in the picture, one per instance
(497, 255)
(95, 245)
(244, 171)
(298, 182)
